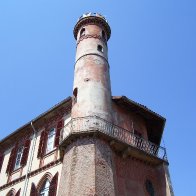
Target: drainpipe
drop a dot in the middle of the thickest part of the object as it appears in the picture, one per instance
(30, 161)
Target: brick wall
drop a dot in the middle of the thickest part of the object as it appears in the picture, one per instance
(131, 176)
(87, 169)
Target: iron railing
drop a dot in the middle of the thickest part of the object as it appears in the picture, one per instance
(95, 123)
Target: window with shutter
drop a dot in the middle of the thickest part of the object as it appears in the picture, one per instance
(33, 190)
(42, 144)
(53, 185)
(12, 159)
(1, 160)
(45, 188)
(50, 140)
(58, 131)
(25, 152)
(18, 157)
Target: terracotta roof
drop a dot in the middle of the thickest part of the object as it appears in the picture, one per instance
(155, 122)
(28, 124)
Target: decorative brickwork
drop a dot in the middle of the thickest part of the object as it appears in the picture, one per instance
(91, 36)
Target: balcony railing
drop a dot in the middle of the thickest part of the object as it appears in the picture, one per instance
(95, 123)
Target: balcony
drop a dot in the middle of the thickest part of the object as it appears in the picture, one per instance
(119, 137)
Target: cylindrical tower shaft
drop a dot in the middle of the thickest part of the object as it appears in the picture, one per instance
(87, 162)
(92, 90)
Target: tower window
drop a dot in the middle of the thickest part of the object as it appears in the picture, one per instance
(82, 32)
(149, 188)
(75, 94)
(100, 48)
(103, 35)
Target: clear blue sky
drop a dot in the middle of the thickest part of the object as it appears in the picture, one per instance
(151, 54)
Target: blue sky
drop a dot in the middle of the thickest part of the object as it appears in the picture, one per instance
(152, 61)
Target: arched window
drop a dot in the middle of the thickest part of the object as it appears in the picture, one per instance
(149, 187)
(11, 192)
(33, 190)
(44, 191)
(82, 32)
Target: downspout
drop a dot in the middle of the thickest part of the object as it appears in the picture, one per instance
(168, 179)
(30, 161)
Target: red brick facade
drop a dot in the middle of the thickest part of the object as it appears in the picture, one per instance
(131, 176)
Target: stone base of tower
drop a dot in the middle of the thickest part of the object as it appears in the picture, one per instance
(87, 169)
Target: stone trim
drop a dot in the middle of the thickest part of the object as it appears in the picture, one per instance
(92, 20)
(92, 54)
(31, 174)
(48, 176)
(91, 36)
(7, 142)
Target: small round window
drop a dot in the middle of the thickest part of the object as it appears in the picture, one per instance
(149, 187)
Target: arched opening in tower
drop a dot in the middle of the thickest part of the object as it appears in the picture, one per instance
(75, 94)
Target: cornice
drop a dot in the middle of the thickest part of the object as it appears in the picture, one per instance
(31, 174)
(91, 36)
(92, 20)
(26, 129)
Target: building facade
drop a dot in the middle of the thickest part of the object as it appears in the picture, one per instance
(91, 143)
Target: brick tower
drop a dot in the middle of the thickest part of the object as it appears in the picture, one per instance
(92, 89)
(111, 144)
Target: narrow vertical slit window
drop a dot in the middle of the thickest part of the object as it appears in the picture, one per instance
(149, 187)
(75, 94)
(82, 32)
(103, 34)
(100, 48)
